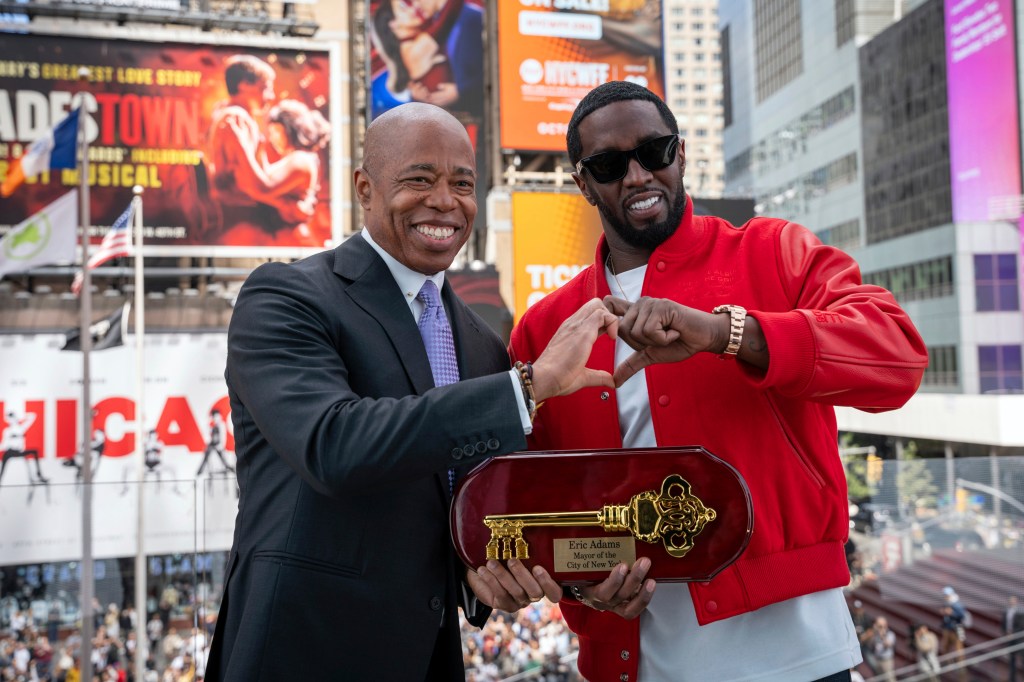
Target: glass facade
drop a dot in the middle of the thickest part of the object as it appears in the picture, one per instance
(791, 140)
(943, 369)
(845, 235)
(778, 38)
(845, 24)
(905, 127)
(999, 368)
(995, 282)
(916, 281)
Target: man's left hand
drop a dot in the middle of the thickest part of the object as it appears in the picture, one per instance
(512, 588)
(660, 330)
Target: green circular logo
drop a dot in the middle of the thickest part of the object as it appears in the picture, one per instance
(28, 241)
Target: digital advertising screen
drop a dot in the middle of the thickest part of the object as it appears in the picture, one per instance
(553, 52)
(981, 72)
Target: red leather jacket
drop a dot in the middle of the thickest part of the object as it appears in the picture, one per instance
(833, 341)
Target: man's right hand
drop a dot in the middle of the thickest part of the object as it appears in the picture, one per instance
(624, 591)
(562, 367)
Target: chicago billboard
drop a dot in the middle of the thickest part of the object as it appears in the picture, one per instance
(188, 479)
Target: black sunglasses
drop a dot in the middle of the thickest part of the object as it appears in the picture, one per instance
(653, 155)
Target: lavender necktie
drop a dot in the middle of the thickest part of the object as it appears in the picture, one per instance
(437, 339)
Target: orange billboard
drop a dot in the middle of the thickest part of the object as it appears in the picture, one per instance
(553, 238)
(553, 52)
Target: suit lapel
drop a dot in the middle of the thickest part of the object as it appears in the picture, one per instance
(374, 290)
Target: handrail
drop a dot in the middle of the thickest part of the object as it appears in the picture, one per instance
(969, 659)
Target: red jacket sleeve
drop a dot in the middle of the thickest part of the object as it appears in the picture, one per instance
(844, 342)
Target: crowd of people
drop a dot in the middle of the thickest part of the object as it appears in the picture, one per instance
(534, 639)
(879, 641)
(33, 649)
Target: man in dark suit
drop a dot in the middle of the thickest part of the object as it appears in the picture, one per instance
(342, 566)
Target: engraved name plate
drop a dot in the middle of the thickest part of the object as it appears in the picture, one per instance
(578, 555)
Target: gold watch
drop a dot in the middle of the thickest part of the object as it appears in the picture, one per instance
(737, 317)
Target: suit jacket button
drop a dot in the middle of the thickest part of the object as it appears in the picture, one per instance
(457, 453)
(435, 603)
(493, 444)
(468, 450)
(481, 447)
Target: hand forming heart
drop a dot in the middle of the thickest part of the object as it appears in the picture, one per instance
(660, 330)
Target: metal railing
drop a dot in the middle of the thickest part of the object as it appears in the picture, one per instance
(957, 660)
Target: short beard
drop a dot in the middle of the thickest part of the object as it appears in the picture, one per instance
(654, 235)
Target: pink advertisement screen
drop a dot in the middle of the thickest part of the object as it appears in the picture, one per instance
(984, 141)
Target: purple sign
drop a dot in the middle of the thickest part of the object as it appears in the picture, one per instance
(984, 142)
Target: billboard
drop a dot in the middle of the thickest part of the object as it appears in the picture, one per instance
(185, 481)
(553, 238)
(984, 139)
(552, 52)
(431, 51)
(230, 142)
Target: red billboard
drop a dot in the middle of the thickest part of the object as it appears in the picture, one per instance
(230, 143)
(553, 52)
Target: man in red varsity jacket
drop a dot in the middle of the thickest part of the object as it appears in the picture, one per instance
(740, 339)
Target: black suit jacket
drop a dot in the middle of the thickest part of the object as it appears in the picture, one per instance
(342, 566)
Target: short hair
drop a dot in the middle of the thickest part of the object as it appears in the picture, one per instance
(244, 68)
(602, 96)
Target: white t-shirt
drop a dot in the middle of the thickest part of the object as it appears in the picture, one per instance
(806, 638)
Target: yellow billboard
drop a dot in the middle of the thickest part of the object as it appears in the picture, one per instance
(553, 238)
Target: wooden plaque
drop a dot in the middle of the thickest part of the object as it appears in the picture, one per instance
(579, 513)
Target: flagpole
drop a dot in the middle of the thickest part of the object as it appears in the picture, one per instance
(85, 310)
(141, 616)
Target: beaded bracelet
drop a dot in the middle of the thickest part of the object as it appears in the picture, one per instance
(525, 370)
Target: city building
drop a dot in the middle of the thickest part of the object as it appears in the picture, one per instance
(838, 118)
(693, 87)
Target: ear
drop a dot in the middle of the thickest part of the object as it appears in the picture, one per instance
(361, 180)
(682, 156)
(582, 184)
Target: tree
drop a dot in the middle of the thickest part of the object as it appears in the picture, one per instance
(914, 480)
(858, 486)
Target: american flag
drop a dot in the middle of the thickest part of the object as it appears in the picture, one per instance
(117, 243)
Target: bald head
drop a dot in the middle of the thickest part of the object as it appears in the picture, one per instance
(388, 135)
(417, 186)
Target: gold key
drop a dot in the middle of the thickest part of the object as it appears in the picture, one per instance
(675, 516)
